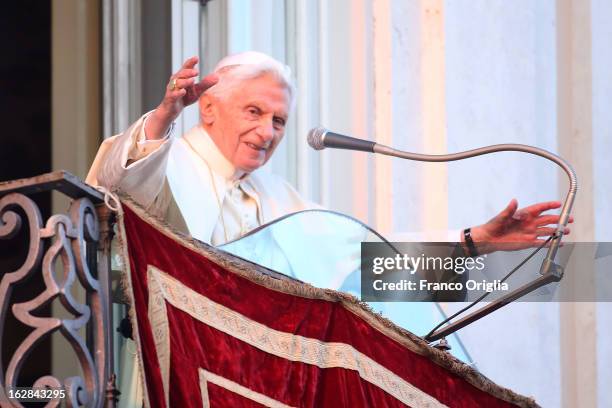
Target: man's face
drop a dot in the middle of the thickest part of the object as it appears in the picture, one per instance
(248, 124)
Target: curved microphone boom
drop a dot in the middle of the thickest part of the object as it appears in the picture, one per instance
(320, 138)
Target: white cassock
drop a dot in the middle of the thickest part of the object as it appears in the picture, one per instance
(187, 181)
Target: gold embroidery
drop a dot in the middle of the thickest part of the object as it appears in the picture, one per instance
(207, 376)
(159, 326)
(286, 345)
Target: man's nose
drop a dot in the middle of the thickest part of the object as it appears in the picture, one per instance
(266, 130)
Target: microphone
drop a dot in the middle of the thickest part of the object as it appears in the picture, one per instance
(320, 138)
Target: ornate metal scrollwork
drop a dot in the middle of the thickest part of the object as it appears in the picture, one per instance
(10, 224)
(71, 235)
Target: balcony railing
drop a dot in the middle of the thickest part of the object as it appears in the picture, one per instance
(77, 241)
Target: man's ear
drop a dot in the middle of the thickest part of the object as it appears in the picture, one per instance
(207, 109)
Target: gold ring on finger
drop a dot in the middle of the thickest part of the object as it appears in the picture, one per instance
(173, 85)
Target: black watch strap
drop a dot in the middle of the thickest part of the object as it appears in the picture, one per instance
(469, 242)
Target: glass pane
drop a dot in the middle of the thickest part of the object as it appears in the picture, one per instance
(323, 248)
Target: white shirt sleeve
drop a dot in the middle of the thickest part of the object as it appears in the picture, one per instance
(135, 165)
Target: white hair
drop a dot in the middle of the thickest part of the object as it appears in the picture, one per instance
(234, 69)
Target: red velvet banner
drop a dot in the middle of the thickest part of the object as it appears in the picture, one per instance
(216, 331)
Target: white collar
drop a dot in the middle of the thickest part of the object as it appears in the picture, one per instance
(203, 145)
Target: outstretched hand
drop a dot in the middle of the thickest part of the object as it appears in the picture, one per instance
(182, 90)
(514, 229)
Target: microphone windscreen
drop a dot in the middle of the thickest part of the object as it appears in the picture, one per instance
(315, 138)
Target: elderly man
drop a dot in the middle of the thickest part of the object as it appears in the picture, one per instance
(206, 182)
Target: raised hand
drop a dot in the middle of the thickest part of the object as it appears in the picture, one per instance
(514, 229)
(182, 90)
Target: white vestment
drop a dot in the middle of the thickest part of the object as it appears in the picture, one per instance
(189, 182)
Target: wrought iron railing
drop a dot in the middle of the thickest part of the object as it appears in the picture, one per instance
(80, 238)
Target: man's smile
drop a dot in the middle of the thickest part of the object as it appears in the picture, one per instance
(255, 147)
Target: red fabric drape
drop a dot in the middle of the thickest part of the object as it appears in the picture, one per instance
(196, 346)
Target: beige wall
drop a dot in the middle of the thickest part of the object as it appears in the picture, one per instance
(75, 119)
(578, 321)
(76, 76)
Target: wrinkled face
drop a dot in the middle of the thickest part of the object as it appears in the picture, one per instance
(248, 124)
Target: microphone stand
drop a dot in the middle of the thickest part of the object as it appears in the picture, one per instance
(549, 270)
